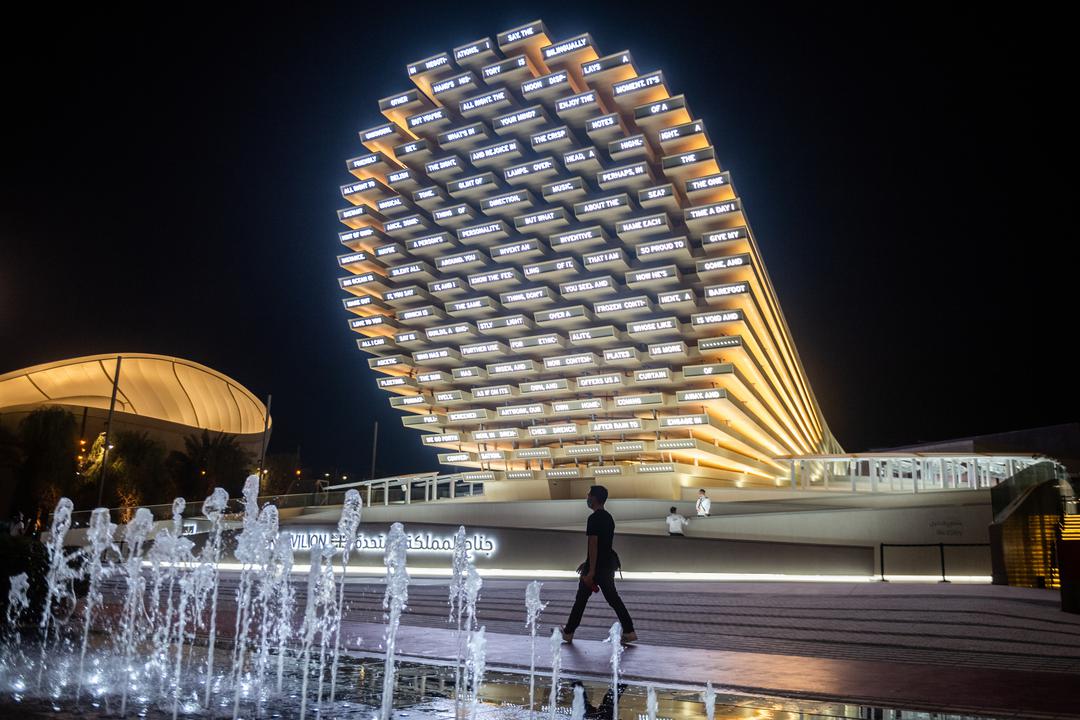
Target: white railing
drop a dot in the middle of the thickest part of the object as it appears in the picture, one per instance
(422, 487)
(906, 472)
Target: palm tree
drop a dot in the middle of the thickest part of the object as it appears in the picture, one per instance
(209, 461)
(11, 459)
(136, 475)
(48, 438)
(281, 475)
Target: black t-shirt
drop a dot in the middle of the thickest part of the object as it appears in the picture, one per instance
(602, 525)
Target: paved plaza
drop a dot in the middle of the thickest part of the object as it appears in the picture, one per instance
(972, 649)
(973, 626)
(967, 648)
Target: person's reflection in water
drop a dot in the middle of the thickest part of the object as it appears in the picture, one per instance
(606, 709)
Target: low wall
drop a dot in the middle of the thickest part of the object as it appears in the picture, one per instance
(524, 549)
(786, 518)
(766, 532)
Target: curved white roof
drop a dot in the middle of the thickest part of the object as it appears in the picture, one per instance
(154, 386)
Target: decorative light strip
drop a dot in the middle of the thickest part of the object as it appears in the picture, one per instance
(380, 571)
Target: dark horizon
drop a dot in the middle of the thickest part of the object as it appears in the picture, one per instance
(171, 186)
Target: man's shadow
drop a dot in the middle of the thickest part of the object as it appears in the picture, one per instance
(606, 709)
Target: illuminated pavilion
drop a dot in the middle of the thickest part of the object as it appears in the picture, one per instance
(167, 397)
(557, 283)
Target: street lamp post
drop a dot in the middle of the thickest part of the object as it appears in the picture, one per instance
(374, 448)
(108, 433)
(265, 433)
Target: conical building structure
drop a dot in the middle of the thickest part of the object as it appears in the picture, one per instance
(556, 283)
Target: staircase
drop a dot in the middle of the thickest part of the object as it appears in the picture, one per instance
(1033, 519)
(1069, 528)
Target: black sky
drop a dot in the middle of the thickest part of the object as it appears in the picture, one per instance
(170, 178)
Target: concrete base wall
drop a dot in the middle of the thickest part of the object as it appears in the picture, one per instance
(526, 490)
(916, 523)
(659, 487)
(934, 524)
(751, 531)
(545, 514)
(759, 515)
(664, 487)
(529, 549)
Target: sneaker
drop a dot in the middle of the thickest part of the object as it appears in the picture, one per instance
(566, 637)
(627, 638)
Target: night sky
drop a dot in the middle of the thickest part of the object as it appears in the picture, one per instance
(170, 178)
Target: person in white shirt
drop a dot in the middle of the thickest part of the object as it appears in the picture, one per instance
(704, 504)
(676, 523)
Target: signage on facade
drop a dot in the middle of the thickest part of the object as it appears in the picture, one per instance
(303, 539)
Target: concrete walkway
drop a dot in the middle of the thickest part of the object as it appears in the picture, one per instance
(977, 649)
(974, 649)
(965, 626)
(879, 684)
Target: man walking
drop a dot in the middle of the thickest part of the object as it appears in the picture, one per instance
(704, 504)
(676, 523)
(598, 571)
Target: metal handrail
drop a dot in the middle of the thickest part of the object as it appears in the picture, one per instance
(324, 498)
(891, 471)
(941, 550)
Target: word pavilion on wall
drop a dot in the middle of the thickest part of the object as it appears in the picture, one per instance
(555, 279)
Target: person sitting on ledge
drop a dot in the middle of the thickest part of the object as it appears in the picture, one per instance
(676, 523)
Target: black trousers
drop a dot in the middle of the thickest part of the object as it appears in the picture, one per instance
(607, 587)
